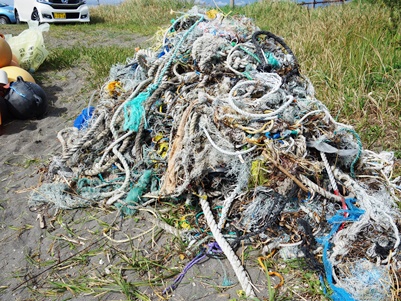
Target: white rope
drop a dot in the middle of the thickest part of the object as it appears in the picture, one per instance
(329, 172)
(307, 115)
(395, 229)
(242, 183)
(111, 146)
(85, 138)
(64, 146)
(239, 270)
(314, 187)
(227, 205)
(267, 116)
(171, 30)
(119, 192)
(233, 51)
(223, 151)
(158, 222)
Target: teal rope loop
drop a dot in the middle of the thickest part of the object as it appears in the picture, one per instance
(176, 48)
(247, 51)
(133, 109)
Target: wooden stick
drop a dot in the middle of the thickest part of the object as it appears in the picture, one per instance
(286, 172)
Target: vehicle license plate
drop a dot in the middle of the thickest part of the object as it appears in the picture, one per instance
(59, 16)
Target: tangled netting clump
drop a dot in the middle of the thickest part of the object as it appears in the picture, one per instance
(218, 115)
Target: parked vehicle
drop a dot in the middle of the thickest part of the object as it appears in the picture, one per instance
(7, 14)
(51, 11)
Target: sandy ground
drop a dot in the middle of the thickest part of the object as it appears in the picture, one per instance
(26, 147)
(70, 245)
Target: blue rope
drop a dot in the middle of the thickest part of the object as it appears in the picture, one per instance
(353, 214)
(16, 91)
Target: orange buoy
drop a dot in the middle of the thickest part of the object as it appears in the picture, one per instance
(5, 52)
(13, 72)
(14, 61)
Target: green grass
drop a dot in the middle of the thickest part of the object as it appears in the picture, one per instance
(300, 282)
(144, 17)
(98, 286)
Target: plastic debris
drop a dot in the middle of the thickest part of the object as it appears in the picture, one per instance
(83, 119)
(26, 100)
(218, 113)
(29, 47)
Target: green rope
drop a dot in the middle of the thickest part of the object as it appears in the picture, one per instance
(134, 196)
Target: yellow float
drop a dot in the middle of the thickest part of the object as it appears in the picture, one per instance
(13, 72)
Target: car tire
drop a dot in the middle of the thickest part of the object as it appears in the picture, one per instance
(35, 15)
(17, 20)
(4, 20)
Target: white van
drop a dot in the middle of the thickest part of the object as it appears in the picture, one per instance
(51, 11)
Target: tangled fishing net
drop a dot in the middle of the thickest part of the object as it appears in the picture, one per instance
(217, 114)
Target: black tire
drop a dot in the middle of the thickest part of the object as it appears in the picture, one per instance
(16, 14)
(4, 20)
(35, 15)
